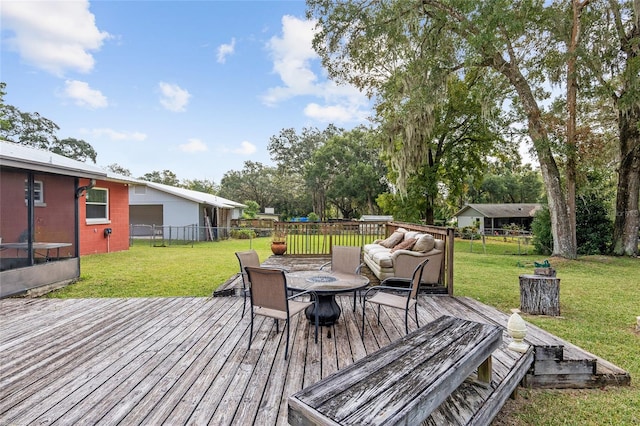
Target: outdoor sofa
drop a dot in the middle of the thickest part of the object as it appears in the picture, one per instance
(400, 253)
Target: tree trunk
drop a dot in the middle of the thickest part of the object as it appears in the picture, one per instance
(572, 93)
(627, 221)
(561, 229)
(428, 212)
(540, 295)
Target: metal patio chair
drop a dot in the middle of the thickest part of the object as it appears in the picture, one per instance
(345, 260)
(269, 297)
(384, 295)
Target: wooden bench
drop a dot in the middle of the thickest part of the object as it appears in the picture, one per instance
(401, 383)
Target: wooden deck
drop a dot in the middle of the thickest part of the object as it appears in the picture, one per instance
(185, 360)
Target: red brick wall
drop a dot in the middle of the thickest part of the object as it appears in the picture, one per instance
(54, 221)
(92, 239)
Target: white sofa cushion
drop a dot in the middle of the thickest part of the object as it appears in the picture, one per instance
(425, 244)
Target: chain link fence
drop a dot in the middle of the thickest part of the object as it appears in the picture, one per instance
(162, 236)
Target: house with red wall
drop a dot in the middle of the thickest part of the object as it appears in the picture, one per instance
(39, 217)
(104, 215)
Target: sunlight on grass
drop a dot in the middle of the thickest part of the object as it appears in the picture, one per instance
(599, 301)
(177, 270)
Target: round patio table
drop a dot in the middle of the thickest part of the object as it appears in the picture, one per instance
(326, 285)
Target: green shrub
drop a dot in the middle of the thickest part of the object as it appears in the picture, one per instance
(243, 234)
(469, 233)
(593, 226)
(541, 229)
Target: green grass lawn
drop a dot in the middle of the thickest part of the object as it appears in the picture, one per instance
(599, 302)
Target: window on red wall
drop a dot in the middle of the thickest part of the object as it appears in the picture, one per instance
(97, 205)
(38, 193)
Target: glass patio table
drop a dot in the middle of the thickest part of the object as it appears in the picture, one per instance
(326, 285)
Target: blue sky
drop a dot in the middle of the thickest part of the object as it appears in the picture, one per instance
(196, 87)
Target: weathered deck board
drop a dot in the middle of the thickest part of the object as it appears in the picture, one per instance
(185, 360)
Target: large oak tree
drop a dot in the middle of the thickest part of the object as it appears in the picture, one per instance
(364, 43)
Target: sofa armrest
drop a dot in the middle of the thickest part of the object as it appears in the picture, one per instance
(405, 262)
(397, 253)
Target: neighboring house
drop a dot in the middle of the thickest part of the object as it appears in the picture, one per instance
(163, 208)
(491, 219)
(104, 215)
(39, 217)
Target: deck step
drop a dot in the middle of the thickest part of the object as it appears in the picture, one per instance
(551, 370)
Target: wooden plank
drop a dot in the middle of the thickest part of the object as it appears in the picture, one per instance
(49, 376)
(62, 340)
(206, 395)
(159, 375)
(105, 376)
(139, 376)
(188, 389)
(185, 384)
(43, 331)
(570, 366)
(268, 380)
(564, 381)
(436, 362)
(549, 352)
(506, 387)
(295, 376)
(448, 373)
(253, 362)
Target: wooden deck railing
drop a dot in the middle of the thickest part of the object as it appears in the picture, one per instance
(317, 238)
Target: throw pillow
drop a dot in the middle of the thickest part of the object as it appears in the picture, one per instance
(424, 244)
(407, 244)
(412, 234)
(393, 239)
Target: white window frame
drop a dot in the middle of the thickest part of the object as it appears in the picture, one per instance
(97, 220)
(38, 193)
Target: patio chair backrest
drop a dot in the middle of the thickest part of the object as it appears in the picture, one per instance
(247, 258)
(417, 278)
(345, 259)
(268, 288)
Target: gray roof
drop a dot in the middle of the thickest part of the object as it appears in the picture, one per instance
(196, 196)
(503, 210)
(29, 158)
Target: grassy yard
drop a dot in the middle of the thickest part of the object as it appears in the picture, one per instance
(599, 296)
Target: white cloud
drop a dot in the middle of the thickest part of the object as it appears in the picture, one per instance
(246, 148)
(83, 95)
(334, 113)
(225, 50)
(294, 60)
(193, 145)
(117, 135)
(292, 55)
(174, 98)
(55, 36)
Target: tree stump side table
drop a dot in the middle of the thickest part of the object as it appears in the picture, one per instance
(540, 295)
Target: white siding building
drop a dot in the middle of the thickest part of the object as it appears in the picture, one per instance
(493, 218)
(180, 210)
